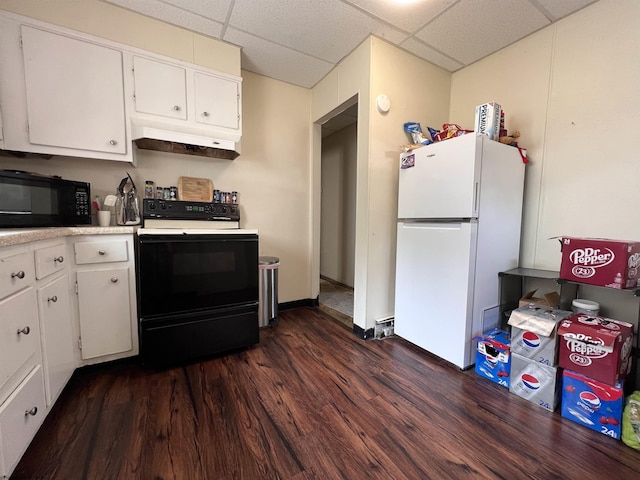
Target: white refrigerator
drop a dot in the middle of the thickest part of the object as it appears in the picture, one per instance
(459, 219)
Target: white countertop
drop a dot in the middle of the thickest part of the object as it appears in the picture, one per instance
(16, 236)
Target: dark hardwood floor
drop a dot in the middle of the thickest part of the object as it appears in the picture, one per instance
(311, 401)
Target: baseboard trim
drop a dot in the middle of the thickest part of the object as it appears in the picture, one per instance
(363, 334)
(305, 302)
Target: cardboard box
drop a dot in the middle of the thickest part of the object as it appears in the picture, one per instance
(597, 347)
(602, 262)
(487, 120)
(551, 299)
(533, 332)
(534, 381)
(493, 356)
(594, 404)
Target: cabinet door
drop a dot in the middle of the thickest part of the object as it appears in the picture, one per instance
(75, 96)
(57, 338)
(160, 88)
(217, 101)
(104, 308)
(19, 332)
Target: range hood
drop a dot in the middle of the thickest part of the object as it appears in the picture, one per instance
(173, 139)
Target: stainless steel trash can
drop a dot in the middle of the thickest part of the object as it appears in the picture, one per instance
(268, 294)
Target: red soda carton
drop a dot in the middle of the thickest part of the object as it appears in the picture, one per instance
(602, 262)
(597, 347)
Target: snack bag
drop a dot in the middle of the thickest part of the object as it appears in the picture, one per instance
(414, 130)
(631, 421)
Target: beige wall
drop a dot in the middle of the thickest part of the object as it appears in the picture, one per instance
(418, 91)
(272, 175)
(572, 91)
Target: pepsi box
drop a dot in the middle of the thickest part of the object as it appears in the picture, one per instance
(533, 332)
(493, 356)
(593, 404)
(535, 381)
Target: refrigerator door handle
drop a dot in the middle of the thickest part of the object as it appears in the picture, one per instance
(475, 198)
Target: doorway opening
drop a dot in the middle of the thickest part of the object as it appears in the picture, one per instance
(338, 213)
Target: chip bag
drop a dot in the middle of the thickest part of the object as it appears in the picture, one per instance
(631, 421)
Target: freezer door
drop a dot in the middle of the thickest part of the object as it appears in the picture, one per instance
(441, 180)
(434, 285)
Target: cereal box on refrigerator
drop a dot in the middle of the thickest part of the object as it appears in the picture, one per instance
(487, 120)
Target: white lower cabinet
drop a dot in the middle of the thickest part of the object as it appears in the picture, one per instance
(46, 330)
(57, 336)
(103, 304)
(106, 303)
(20, 417)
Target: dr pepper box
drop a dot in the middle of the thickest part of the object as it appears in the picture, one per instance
(493, 357)
(597, 347)
(606, 263)
(594, 404)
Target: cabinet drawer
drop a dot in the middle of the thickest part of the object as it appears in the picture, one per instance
(20, 417)
(101, 252)
(49, 260)
(19, 332)
(16, 272)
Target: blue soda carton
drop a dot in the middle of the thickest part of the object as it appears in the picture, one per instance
(591, 403)
(493, 356)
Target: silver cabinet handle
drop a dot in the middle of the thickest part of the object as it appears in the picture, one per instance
(26, 330)
(20, 275)
(114, 280)
(176, 108)
(53, 299)
(101, 252)
(59, 259)
(31, 412)
(113, 142)
(206, 114)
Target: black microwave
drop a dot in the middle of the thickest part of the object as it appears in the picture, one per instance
(32, 200)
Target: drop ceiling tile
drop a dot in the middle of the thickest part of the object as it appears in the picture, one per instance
(213, 9)
(472, 29)
(275, 61)
(326, 29)
(175, 16)
(427, 53)
(565, 7)
(409, 17)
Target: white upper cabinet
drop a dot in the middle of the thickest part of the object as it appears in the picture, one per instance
(192, 99)
(160, 88)
(217, 101)
(75, 95)
(72, 94)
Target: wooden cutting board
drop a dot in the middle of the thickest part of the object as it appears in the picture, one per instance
(195, 189)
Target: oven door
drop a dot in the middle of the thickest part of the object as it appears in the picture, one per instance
(197, 294)
(192, 272)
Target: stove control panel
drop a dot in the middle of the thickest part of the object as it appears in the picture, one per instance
(182, 210)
